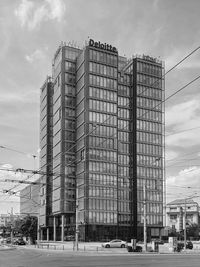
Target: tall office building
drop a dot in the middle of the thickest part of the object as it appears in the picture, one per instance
(107, 144)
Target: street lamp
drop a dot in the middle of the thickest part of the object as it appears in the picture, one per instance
(145, 203)
(77, 226)
(145, 219)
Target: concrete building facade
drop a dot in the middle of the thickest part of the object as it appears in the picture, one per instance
(30, 200)
(181, 212)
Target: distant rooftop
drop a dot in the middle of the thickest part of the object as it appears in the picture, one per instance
(182, 201)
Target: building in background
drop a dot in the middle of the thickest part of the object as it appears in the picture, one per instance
(7, 220)
(102, 127)
(30, 200)
(176, 211)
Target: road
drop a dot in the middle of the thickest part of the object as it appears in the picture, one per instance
(41, 258)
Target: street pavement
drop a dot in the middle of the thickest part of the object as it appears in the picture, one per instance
(25, 256)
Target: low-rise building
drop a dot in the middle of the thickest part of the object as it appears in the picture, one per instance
(29, 200)
(178, 209)
(7, 219)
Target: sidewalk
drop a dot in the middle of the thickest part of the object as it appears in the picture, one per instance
(6, 247)
(82, 247)
(96, 249)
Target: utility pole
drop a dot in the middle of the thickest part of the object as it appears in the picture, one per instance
(77, 228)
(38, 228)
(145, 219)
(185, 226)
(11, 225)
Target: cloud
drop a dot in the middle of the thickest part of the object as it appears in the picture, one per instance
(184, 184)
(6, 166)
(175, 55)
(36, 55)
(180, 118)
(157, 35)
(155, 4)
(170, 155)
(184, 139)
(24, 10)
(182, 112)
(31, 14)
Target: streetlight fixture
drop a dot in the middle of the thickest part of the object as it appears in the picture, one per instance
(145, 219)
(144, 206)
(77, 227)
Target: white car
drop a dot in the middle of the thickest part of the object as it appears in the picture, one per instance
(116, 243)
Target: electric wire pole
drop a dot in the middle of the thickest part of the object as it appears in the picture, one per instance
(185, 227)
(76, 228)
(145, 219)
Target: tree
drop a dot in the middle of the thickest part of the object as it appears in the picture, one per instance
(192, 230)
(28, 228)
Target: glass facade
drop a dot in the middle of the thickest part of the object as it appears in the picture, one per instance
(150, 152)
(64, 133)
(107, 142)
(101, 141)
(46, 155)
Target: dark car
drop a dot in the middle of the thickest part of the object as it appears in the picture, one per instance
(69, 238)
(179, 246)
(160, 242)
(137, 249)
(8, 240)
(189, 245)
(19, 242)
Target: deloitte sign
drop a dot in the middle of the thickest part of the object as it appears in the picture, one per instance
(103, 46)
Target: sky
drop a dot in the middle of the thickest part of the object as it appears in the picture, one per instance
(31, 31)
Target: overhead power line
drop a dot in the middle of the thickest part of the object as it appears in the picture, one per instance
(187, 56)
(182, 131)
(10, 192)
(17, 151)
(23, 171)
(176, 65)
(22, 182)
(183, 87)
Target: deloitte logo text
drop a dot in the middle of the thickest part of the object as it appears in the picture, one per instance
(103, 46)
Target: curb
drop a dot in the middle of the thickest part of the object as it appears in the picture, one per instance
(6, 248)
(107, 253)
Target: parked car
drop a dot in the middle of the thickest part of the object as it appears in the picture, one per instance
(19, 242)
(158, 241)
(69, 238)
(180, 245)
(116, 243)
(189, 245)
(137, 249)
(8, 240)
